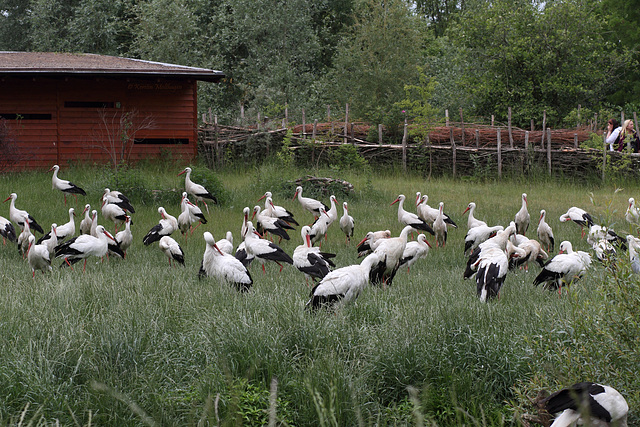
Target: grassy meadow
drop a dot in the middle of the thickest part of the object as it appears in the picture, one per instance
(137, 342)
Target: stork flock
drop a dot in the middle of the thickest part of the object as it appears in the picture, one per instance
(491, 250)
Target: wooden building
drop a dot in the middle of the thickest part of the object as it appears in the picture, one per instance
(62, 107)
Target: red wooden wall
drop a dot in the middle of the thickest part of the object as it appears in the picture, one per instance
(57, 120)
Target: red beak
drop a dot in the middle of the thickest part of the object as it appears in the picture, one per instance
(7, 199)
(465, 211)
(264, 195)
(218, 249)
(295, 195)
(395, 201)
(182, 172)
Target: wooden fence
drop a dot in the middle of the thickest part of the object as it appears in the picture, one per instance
(457, 149)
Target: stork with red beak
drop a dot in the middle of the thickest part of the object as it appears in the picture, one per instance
(65, 186)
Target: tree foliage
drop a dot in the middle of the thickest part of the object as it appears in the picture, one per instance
(480, 55)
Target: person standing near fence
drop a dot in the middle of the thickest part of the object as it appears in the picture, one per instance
(613, 132)
(628, 133)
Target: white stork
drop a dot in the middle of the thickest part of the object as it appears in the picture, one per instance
(279, 211)
(23, 239)
(309, 259)
(222, 266)
(226, 244)
(7, 231)
(579, 216)
(532, 252)
(472, 221)
(494, 265)
(428, 214)
(332, 213)
(389, 252)
(84, 246)
(342, 285)
(124, 238)
(522, 218)
(200, 193)
(94, 223)
(599, 232)
(241, 251)
(632, 215)
(634, 246)
(414, 251)
(370, 241)
(85, 224)
(38, 257)
(190, 214)
(171, 249)
(587, 403)
(167, 225)
(117, 198)
(263, 250)
(545, 233)
(114, 213)
(320, 227)
(270, 224)
(440, 227)
(410, 219)
(64, 185)
(347, 223)
(564, 268)
(309, 204)
(64, 231)
(477, 235)
(18, 216)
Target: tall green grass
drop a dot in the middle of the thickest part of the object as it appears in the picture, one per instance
(136, 342)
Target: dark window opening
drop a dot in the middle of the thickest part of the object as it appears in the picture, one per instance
(25, 116)
(88, 104)
(161, 141)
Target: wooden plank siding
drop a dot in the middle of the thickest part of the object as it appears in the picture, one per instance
(72, 129)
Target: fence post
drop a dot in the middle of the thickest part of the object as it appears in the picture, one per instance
(304, 125)
(462, 125)
(499, 153)
(510, 133)
(286, 116)
(604, 155)
(526, 151)
(544, 126)
(549, 150)
(446, 118)
(315, 128)
(493, 118)
(404, 146)
(346, 122)
(477, 138)
(453, 150)
(532, 128)
(575, 141)
(380, 133)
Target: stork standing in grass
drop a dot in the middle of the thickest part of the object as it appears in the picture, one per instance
(545, 233)
(279, 211)
(167, 225)
(171, 249)
(21, 216)
(342, 285)
(564, 268)
(311, 205)
(440, 227)
(578, 216)
(472, 221)
(84, 246)
(390, 252)
(414, 251)
(117, 198)
(65, 186)
(38, 256)
(347, 223)
(263, 250)
(85, 224)
(429, 214)
(522, 218)
(124, 238)
(64, 231)
(309, 259)
(222, 266)
(410, 219)
(198, 191)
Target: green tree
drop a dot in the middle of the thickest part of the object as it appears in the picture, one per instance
(14, 25)
(532, 56)
(376, 59)
(50, 25)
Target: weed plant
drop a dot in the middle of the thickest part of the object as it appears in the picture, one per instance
(137, 342)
